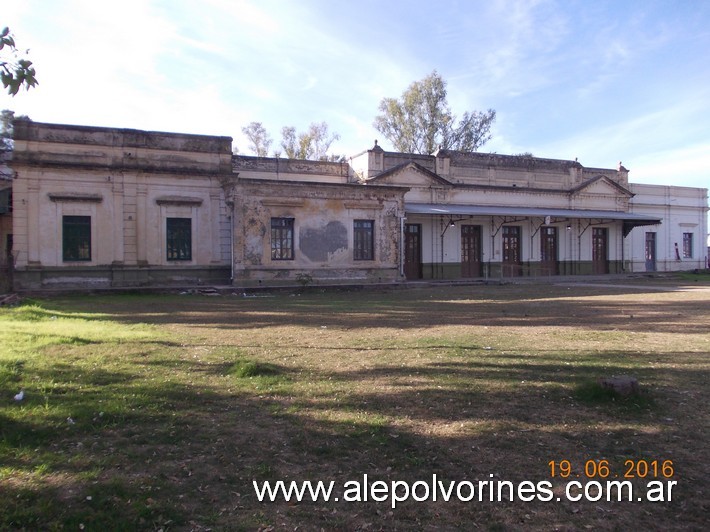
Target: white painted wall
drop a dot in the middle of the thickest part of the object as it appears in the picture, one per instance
(682, 210)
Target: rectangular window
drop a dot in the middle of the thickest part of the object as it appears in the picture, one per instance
(364, 240)
(282, 239)
(178, 233)
(76, 238)
(687, 245)
(6, 201)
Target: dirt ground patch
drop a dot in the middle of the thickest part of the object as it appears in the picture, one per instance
(180, 403)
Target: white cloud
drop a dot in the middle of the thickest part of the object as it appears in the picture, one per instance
(601, 82)
(687, 166)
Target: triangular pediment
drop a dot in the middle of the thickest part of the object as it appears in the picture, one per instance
(410, 174)
(601, 185)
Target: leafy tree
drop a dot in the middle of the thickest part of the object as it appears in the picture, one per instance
(421, 120)
(15, 72)
(312, 144)
(259, 139)
(6, 119)
(6, 146)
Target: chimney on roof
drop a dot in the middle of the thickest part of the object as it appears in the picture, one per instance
(375, 160)
(623, 174)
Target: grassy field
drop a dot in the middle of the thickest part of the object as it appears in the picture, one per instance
(159, 412)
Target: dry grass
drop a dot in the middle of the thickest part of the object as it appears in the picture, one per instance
(180, 402)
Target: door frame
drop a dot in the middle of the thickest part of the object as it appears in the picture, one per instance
(549, 250)
(600, 250)
(471, 234)
(512, 259)
(412, 251)
(650, 249)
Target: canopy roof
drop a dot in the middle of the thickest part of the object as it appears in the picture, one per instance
(630, 220)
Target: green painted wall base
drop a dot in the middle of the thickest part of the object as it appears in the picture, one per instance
(496, 270)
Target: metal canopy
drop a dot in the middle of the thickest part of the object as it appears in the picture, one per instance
(630, 220)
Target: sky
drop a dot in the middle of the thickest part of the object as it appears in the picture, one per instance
(601, 81)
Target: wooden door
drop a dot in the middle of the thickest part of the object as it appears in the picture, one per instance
(512, 251)
(651, 252)
(548, 251)
(600, 250)
(470, 251)
(413, 251)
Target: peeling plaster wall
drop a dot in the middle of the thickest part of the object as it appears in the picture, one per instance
(129, 182)
(323, 231)
(508, 170)
(488, 169)
(147, 151)
(325, 243)
(280, 169)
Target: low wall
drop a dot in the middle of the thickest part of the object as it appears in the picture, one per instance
(118, 277)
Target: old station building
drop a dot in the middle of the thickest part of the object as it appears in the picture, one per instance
(104, 207)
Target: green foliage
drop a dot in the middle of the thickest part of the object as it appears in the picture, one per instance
(244, 368)
(593, 393)
(421, 120)
(312, 144)
(698, 276)
(6, 119)
(15, 72)
(304, 279)
(259, 139)
(10, 373)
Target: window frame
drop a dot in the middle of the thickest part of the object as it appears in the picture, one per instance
(687, 245)
(178, 239)
(282, 238)
(76, 238)
(363, 240)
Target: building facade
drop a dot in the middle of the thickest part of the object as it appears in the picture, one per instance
(103, 207)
